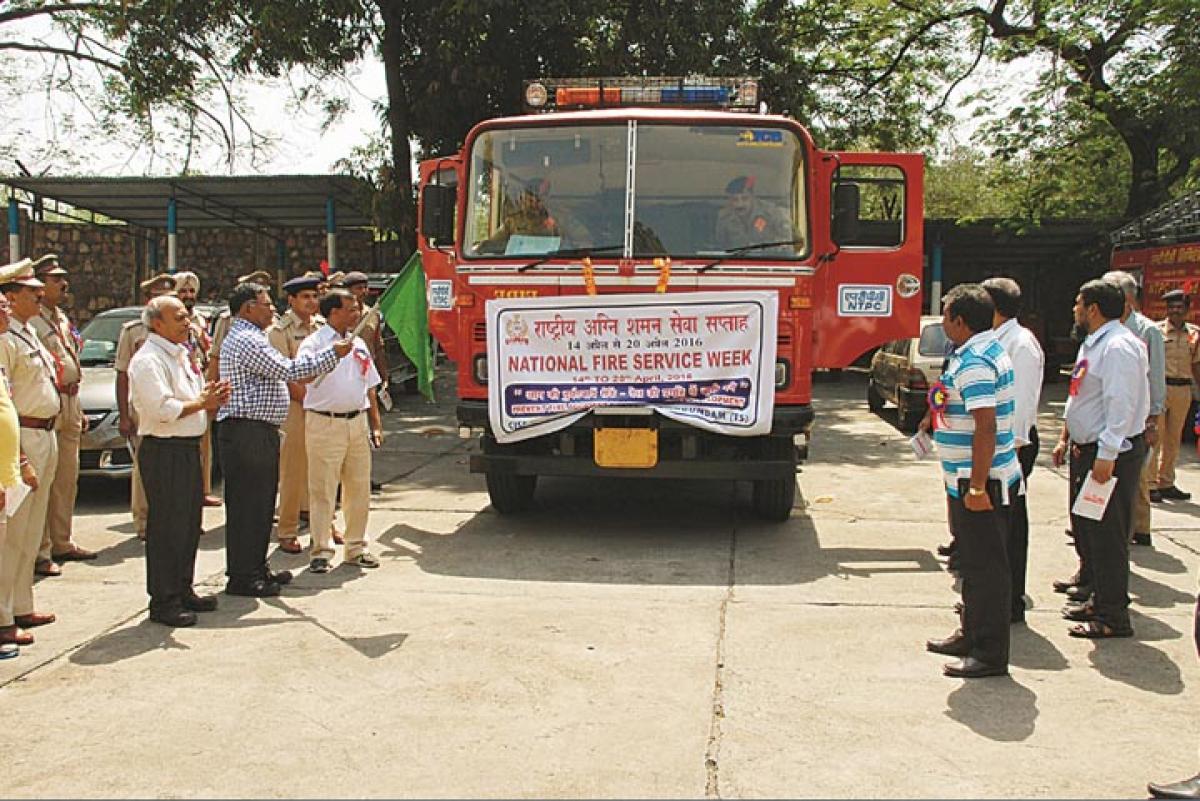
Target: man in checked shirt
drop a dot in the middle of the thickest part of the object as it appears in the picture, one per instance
(249, 434)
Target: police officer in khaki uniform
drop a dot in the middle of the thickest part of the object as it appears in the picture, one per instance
(32, 374)
(61, 339)
(199, 344)
(133, 334)
(285, 335)
(1182, 344)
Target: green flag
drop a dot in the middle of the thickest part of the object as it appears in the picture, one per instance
(404, 308)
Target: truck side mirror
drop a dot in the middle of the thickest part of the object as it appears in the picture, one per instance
(438, 203)
(845, 213)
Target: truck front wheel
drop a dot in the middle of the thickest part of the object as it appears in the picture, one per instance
(773, 498)
(509, 492)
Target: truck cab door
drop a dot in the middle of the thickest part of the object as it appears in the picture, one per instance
(869, 234)
(437, 257)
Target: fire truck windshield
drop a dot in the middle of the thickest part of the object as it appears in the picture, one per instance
(697, 191)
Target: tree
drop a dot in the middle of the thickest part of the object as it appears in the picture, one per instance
(1129, 64)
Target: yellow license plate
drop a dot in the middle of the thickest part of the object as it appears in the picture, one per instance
(626, 447)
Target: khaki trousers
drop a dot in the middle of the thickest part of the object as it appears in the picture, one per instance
(137, 496)
(61, 506)
(25, 528)
(1141, 501)
(1179, 400)
(293, 473)
(338, 450)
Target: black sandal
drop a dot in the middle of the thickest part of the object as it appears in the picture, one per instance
(1096, 630)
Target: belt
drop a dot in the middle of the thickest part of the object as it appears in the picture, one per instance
(72, 389)
(43, 423)
(250, 421)
(1178, 382)
(1093, 445)
(338, 415)
(181, 441)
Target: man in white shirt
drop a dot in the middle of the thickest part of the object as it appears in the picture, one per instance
(341, 425)
(172, 402)
(1029, 364)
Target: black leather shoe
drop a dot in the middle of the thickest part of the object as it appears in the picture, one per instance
(1142, 538)
(179, 618)
(1174, 493)
(972, 668)
(200, 603)
(954, 645)
(254, 589)
(947, 549)
(281, 578)
(1156, 496)
(1188, 788)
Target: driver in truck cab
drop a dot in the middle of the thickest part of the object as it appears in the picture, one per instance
(746, 219)
(532, 214)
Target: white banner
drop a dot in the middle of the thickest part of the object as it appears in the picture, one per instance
(704, 358)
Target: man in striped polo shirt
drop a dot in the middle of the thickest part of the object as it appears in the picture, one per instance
(972, 408)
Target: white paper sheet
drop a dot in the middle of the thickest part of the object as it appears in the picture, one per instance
(1093, 498)
(922, 445)
(13, 496)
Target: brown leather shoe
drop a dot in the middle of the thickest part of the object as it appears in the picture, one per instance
(76, 554)
(34, 619)
(46, 567)
(290, 545)
(15, 635)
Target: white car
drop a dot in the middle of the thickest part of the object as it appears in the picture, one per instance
(903, 370)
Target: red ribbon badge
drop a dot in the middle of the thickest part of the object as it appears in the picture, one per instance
(939, 399)
(363, 359)
(1081, 368)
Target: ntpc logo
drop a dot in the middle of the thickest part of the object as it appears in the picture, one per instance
(864, 300)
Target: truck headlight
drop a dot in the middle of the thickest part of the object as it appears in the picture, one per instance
(783, 373)
(480, 369)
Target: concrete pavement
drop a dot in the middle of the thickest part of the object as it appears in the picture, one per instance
(622, 639)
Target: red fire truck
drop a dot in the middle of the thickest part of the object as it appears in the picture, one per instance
(1163, 247)
(660, 195)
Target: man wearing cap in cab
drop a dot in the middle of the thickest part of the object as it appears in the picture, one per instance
(33, 377)
(133, 334)
(372, 334)
(62, 340)
(199, 345)
(747, 220)
(530, 212)
(1181, 341)
(285, 335)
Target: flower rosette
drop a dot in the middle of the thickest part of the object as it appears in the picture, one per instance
(939, 399)
(1077, 375)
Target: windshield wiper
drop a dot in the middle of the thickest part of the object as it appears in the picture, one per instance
(568, 252)
(746, 249)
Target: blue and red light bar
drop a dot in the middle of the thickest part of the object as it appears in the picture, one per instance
(558, 94)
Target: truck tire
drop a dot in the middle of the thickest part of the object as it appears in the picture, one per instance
(773, 498)
(510, 493)
(874, 399)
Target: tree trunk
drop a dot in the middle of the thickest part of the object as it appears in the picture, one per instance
(1146, 188)
(393, 51)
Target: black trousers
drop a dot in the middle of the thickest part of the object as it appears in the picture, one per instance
(982, 538)
(250, 460)
(174, 485)
(1018, 529)
(1103, 545)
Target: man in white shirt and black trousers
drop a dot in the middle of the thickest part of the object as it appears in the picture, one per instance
(1028, 362)
(173, 403)
(341, 425)
(1107, 405)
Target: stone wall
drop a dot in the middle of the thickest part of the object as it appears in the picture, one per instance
(108, 262)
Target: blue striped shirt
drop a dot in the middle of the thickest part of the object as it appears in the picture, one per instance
(259, 373)
(979, 376)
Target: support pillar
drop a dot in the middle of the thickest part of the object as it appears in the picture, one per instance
(330, 235)
(14, 230)
(172, 237)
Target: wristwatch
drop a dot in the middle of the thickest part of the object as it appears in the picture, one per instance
(976, 491)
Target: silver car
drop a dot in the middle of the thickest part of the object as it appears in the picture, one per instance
(103, 451)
